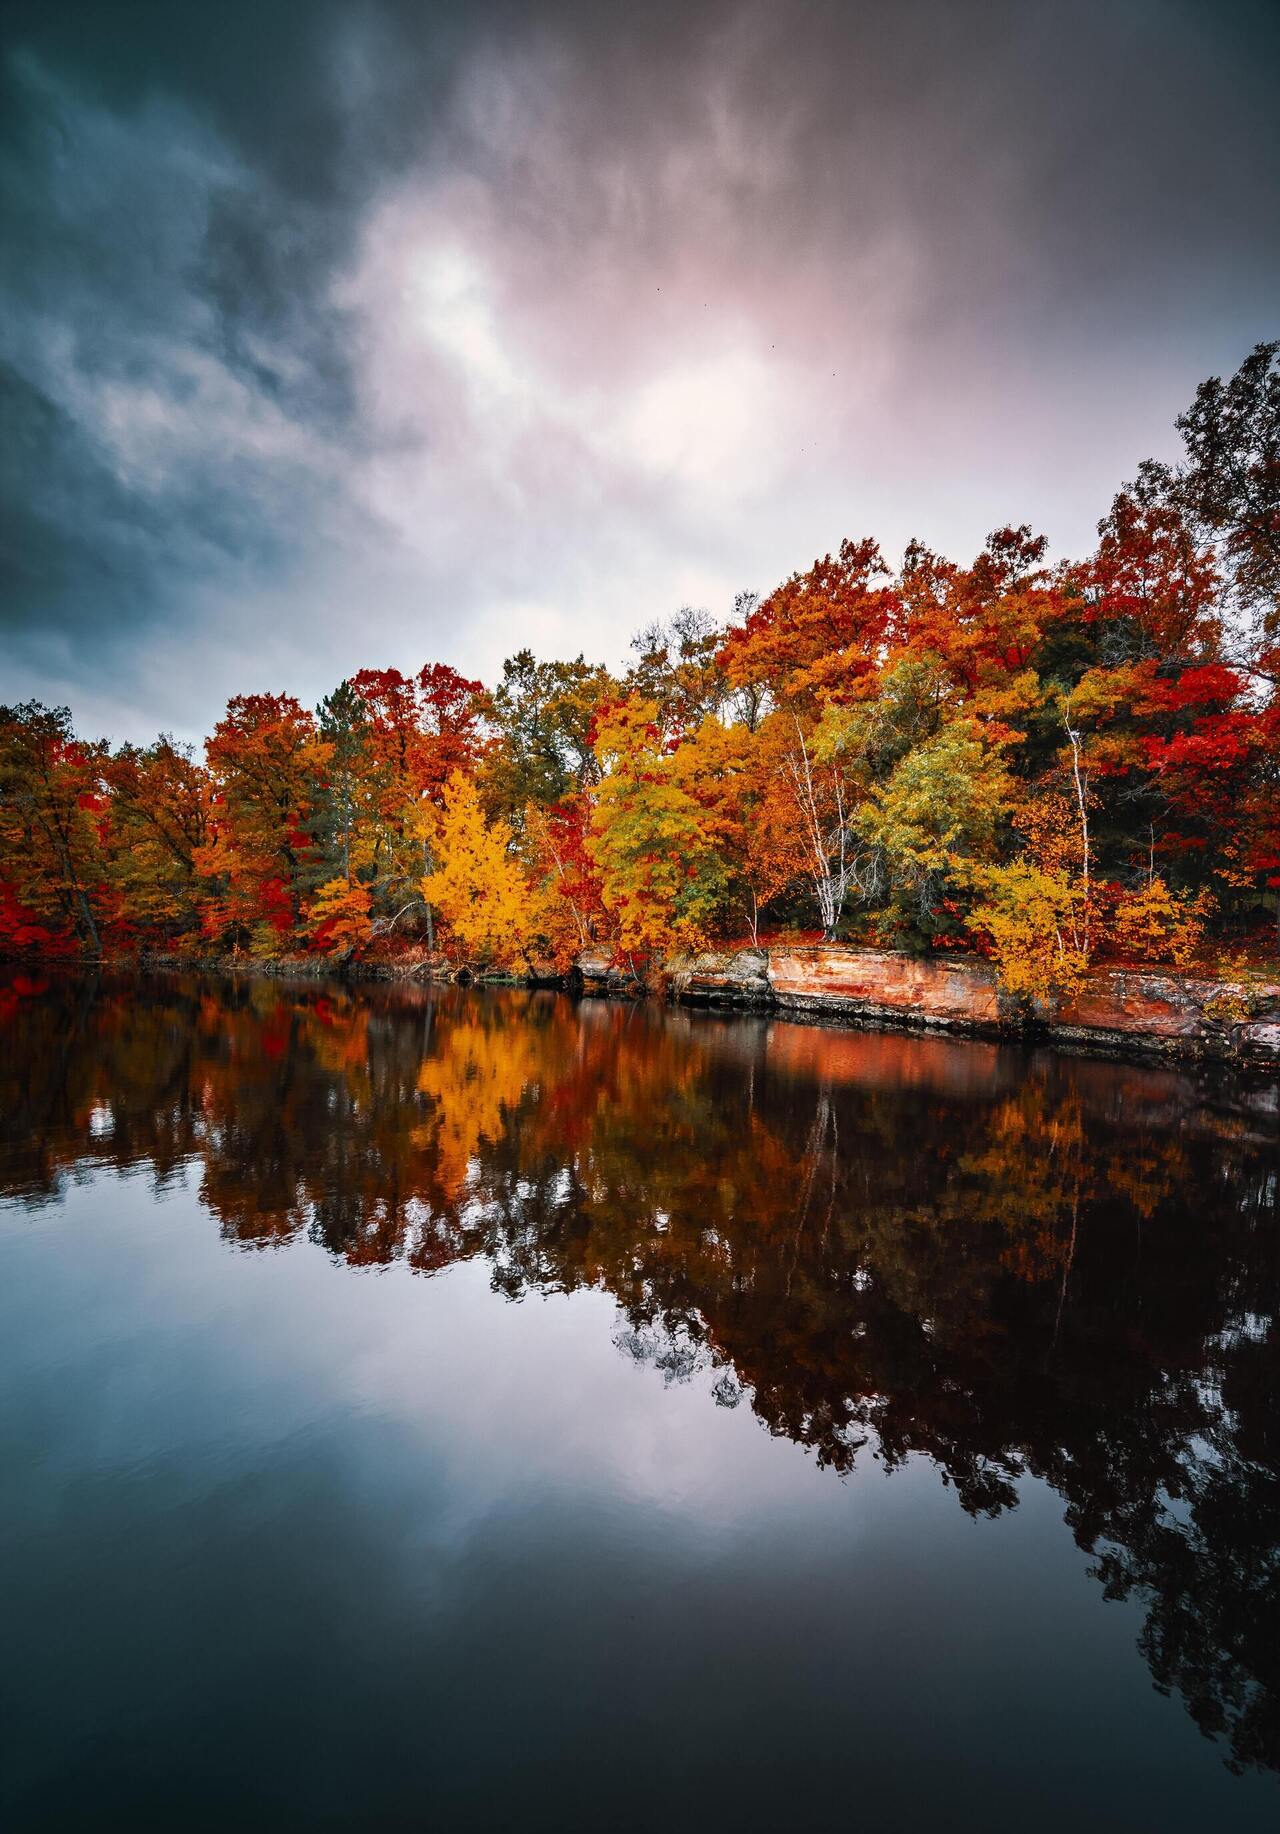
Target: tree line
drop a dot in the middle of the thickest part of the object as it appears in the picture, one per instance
(1049, 764)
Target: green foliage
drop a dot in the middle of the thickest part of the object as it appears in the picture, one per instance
(342, 821)
(940, 809)
(543, 715)
(662, 877)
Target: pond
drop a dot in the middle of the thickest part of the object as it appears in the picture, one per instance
(441, 1408)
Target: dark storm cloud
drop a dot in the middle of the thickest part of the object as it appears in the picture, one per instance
(342, 333)
(168, 385)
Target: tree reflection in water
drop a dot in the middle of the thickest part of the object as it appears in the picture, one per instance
(1010, 1264)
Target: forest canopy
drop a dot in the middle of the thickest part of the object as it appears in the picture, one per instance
(1045, 763)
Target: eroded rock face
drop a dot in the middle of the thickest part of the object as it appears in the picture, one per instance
(733, 977)
(600, 973)
(952, 992)
(1172, 1013)
(1117, 1009)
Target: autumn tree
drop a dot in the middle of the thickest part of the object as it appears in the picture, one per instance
(159, 812)
(737, 778)
(543, 720)
(421, 730)
(264, 757)
(662, 878)
(1033, 922)
(51, 819)
(338, 919)
(1226, 491)
(817, 632)
(678, 668)
(476, 884)
(567, 912)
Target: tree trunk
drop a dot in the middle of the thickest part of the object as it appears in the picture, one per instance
(89, 924)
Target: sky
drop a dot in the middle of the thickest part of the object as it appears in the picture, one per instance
(366, 333)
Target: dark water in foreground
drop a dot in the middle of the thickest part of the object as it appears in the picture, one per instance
(447, 1410)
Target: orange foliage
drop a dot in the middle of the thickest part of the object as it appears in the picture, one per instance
(1040, 761)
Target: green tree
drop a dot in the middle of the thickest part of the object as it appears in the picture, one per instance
(543, 715)
(940, 808)
(343, 818)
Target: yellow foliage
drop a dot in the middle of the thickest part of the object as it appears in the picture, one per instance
(1034, 921)
(474, 1079)
(1008, 698)
(1154, 924)
(662, 878)
(554, 932)
(477, 885)
(1049, 823)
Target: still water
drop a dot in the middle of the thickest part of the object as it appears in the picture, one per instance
(458, 1410)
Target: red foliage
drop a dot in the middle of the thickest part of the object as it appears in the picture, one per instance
(22, 934)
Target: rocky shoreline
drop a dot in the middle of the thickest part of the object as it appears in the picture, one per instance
(1117, 1011)
(1140, 1013)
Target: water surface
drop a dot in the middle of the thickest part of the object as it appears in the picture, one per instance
(428, 1409)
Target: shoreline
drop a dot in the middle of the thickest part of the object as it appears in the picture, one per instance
(1142, 1015)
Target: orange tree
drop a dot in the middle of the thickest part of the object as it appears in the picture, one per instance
(264, 758)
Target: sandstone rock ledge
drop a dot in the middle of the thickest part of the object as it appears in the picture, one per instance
(1117, 1012)
(953, 993)
(733, 977)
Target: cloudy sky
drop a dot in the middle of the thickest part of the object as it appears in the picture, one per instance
(374, 332)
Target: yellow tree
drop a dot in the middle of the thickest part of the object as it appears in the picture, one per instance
(661, 875)
(1031, 919)
(477, 885)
